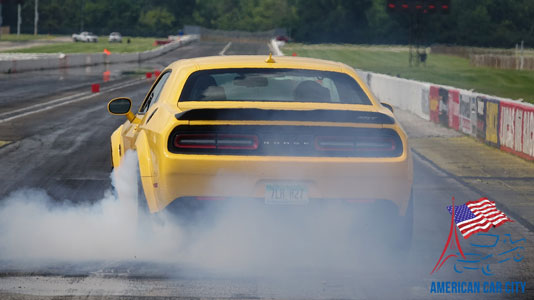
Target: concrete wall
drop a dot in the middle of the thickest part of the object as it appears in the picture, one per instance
(499, 122)
(77, 60)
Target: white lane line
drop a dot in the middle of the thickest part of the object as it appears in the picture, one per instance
(41, 104)
(225, 48)
(51, 104)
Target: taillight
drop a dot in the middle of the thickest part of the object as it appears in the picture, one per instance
(375, 144)
(216, 141)
(335, 143)
(237, 141)
(355, 144)
(198, 141)
(282, 140)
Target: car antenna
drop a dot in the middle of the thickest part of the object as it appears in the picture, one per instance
(270, 59)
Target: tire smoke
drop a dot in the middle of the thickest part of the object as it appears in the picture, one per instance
(238, 237)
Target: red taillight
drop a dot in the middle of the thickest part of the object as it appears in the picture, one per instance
(216, 141)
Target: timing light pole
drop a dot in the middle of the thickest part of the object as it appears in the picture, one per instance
(415, 10)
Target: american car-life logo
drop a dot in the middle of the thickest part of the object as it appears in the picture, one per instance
(477, 218)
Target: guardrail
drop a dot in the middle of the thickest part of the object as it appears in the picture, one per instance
(502, 123)
(59, 61)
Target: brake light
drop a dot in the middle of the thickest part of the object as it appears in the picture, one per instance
(216, 141)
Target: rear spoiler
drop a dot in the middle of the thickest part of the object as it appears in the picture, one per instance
(254, 114)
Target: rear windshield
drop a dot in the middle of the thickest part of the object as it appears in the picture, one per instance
(279, 85)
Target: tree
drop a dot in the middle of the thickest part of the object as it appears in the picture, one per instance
(157, 20)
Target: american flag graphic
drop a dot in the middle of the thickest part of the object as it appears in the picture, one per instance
(476, 216)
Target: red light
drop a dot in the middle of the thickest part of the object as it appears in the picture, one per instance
(391, 5)
(405, 6)
(444, 6)
(418, 6)
(431, 6)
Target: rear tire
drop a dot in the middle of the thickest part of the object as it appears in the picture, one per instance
(147, 223)
(382, 233)
(143, 212)
(405, 230)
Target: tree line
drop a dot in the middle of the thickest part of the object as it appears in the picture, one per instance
(496, 23)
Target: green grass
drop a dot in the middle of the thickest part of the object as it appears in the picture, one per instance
(137, 45)
(25, 37)
(439, 69)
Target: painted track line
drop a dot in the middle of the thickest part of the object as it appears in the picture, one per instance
(225, 48)
(26, 111)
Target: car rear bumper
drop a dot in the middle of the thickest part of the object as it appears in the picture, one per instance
(220, 177)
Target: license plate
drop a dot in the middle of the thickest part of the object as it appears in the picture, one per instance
(277, 193)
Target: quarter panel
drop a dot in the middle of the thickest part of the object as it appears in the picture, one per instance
(117, 147)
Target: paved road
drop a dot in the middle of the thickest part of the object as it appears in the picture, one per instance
(79, 249)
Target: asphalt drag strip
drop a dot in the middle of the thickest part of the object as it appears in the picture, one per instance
(66, 233)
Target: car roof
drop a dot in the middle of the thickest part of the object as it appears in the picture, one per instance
(258, 61)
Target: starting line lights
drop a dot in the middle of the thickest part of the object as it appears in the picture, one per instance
(418, 6)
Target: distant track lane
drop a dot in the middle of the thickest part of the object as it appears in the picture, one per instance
(37, 108)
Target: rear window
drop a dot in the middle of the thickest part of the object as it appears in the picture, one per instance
(278, 85)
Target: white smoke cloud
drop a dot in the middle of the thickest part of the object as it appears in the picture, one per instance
(239, 237)
(33, 226)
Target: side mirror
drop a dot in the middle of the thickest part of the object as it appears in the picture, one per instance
(121, 106)
(388, 106)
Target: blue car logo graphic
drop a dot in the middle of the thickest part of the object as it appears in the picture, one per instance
(476, 261)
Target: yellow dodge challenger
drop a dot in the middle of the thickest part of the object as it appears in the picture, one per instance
(275, 130)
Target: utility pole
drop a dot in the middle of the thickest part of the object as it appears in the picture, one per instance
(19, 19)
(522, 57)
(36, 19)
(1, 18)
